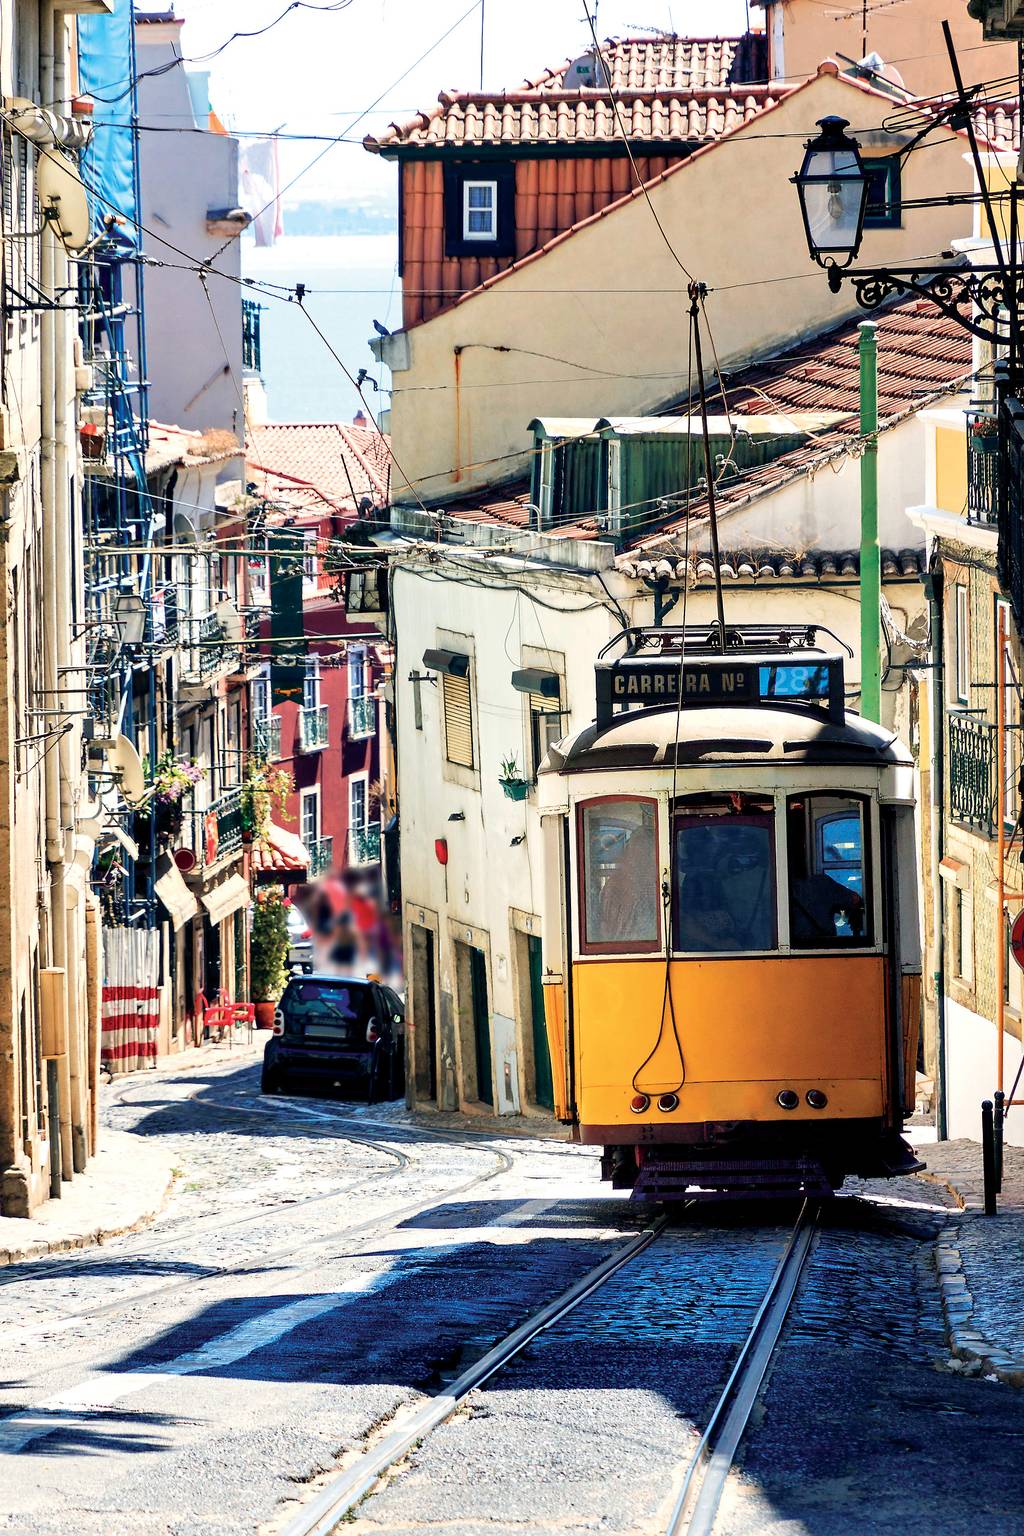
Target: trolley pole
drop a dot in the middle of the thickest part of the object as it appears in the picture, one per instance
(870, 554)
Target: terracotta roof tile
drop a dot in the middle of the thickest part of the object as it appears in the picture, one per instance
(318, 465)
(668, 88)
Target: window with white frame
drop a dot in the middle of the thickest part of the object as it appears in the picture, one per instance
(962, 640)
(356, 671)
(310, 562)
(479, 210)
(309, 813)
(1011, 716)
(358, 803)
(311, 683)
(259, 699)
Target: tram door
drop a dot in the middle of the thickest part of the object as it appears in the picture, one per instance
(544, 1093)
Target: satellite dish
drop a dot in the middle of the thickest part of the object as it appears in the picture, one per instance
(185, 860)
(184, 528)
(62, 198)
(122, 760)
(230, 621)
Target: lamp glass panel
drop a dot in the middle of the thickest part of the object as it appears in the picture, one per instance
(834, 190)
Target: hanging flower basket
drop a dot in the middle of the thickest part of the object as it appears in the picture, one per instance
(515, 789)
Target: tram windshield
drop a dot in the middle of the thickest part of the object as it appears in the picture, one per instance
(724, 873)
(828, 903)
(620, 875)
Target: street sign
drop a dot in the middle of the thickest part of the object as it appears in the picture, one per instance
(1017, 939)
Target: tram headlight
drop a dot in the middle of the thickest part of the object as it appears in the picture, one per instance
(787, 1099)
(668, 1102)
(639, 1102)
(816, 1099)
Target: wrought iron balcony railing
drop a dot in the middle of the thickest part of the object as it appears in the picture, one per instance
(982, 477)
(972, 763)
(364, 845)
(313, 729)
(205, 651)
(321, 855)
(226, 815)
(266, 738)
(362, 717)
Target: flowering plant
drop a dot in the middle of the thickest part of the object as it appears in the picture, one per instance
(265, 789)
(173, 778)
(984, 426)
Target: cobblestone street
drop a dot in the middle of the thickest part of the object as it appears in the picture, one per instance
(321, 1263)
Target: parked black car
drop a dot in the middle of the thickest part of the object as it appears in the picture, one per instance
(340, 1032)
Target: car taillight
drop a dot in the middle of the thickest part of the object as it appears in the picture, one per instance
(278, 1023)
(372, 1034)
(307, 933)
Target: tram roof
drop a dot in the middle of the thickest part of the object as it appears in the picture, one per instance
(778, 733)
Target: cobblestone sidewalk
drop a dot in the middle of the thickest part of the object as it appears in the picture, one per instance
(980, 1261)
(126, 1183)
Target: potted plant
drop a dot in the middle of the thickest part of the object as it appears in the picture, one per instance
(512, 781)
(984, 434)
(269, 952)
(265, 789)
(172, 778)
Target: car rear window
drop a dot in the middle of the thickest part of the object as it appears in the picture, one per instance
(325, 1010)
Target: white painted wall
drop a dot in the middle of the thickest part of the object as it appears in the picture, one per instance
(195, 375)
(971, 1073)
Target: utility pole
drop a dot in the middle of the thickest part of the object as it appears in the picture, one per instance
(870, 554)
(696, 292)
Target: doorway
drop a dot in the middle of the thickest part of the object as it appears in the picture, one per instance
(481, 1024)
(424, 1013)
(543, 1085)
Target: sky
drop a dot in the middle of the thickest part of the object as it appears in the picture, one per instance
(318, 71)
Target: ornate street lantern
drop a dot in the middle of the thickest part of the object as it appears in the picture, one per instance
(832, 185)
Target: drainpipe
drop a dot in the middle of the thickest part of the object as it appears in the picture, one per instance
(870, 554)
(938, 799)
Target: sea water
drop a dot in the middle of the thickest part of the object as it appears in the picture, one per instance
(351, 280)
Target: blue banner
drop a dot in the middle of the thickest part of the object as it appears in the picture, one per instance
(106, 69)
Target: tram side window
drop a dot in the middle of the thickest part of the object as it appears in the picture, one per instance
(724, 873)
(619, 847)
(828, 886)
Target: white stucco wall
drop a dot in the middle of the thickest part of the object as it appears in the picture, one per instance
(195, 375)
(971, 1073)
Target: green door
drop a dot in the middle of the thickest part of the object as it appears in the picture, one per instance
(481, 1025)
(543, 1089)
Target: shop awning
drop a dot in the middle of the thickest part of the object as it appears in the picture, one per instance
(279, 852)
(226, 898)
(173, 892)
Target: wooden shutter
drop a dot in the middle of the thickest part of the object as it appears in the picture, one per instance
(458, 719)
(542, 733)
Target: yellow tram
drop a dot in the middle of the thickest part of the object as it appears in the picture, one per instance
(731, 954)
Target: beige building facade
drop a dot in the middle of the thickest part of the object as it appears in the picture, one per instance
(49, 924)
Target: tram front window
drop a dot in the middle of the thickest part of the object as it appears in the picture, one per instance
(827, 886)
(620, 876)
(724, 872)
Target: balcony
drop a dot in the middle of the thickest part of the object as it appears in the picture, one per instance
(364, 845)
(226, 815)
(972, 787)
(362, 717)
(205, 652)
(321, 855)
(982, 473)
(313, 730)
(266, 738)
(251, 335)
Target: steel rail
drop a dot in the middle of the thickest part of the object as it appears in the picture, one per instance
(696, 1507)
(321, 1515)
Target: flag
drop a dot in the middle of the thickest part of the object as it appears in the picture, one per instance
(259, 183)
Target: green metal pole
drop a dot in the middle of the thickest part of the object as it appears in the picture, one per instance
(870, 554)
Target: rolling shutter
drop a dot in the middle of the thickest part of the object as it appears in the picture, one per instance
(458, 719)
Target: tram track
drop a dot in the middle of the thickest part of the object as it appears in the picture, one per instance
(704, 1479)
(343, 1243)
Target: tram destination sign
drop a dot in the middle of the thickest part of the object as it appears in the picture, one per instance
(636, 682)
